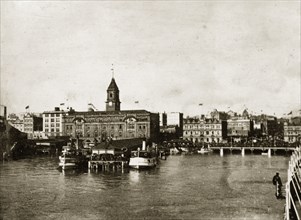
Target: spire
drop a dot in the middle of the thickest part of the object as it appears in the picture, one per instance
(113, 85)
(112, 69)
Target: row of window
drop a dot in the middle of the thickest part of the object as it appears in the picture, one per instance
(293, 133)
(202, 126)
(52, 125)
(205, 133)
(207, 140)
(52, 115)
(129, 126)
(52, 130)
(52, 119)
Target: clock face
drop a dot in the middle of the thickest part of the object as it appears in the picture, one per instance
(110, 103)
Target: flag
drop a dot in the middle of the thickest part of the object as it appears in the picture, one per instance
(201, 104)
(27, 107)
(290, 113)
(136, 102)
(62, 104)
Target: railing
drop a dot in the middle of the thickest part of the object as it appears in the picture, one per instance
(293, 188)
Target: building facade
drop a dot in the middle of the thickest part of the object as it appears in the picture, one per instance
(215, 131)
(53, 122)
(193, 129)
(103, 125)
(292, 132)
(205, 130)
(110, 124)
(239, 129)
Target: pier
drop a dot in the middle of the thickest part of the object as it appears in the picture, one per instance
(264, 150)
(293, 187)
(101, 165)
(106, 162)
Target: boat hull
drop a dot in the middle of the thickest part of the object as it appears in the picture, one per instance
(71, 163)
(142, 163)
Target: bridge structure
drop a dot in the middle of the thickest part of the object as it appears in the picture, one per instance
(265, 150)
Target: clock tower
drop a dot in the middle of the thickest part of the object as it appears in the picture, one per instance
(113, 102)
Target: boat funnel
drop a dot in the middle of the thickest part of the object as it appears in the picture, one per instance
(143, 145)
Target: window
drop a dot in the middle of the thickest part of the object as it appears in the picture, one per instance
(46, 120)
(57, 124)
(52, 120)
(52, 115)
(57, 130)
(57, 119)
(57, 115)
(52, 124)
(52, 129)
(46, 130)
(46, 115)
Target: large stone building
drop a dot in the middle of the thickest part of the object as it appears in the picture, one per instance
(208, 130)
(215, 131)
(112, 123)
(193, 129)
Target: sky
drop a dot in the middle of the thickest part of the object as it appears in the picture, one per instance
(169, 56)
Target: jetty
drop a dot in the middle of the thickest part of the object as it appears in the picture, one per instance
(293, 187)
(106, 162)
(265, 150)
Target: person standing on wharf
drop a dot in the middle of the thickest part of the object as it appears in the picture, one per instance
(277, 182)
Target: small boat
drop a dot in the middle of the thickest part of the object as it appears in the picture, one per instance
(72, 158)
(142, 159)
(204, 150)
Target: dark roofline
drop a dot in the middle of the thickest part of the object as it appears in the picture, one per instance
(111, 112)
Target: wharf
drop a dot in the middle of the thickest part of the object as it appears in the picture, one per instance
(107, 165)
(263, 149)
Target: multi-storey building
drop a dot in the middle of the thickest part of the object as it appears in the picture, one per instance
(292, 131)
(209, 130)
(18, 124)
(163, 119)
(112, 123)
(239, 129)
(215, 131)
(193, 129)
(53, 122)
(32, 124)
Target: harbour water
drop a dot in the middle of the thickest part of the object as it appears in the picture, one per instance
(182, 187)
